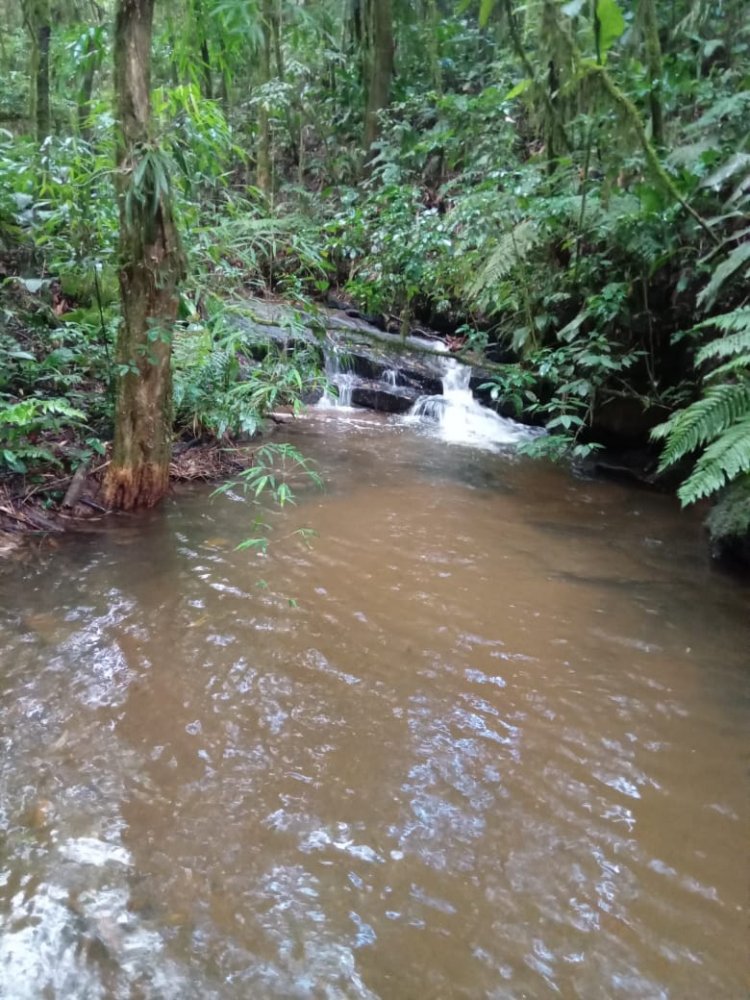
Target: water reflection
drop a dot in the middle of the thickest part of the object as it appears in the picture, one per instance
(496, 749)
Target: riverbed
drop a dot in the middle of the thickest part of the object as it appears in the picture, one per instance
(483, 735)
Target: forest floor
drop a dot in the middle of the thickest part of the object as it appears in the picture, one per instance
(31, 507)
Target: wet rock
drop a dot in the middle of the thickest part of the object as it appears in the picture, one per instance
(363, 348)
(414, 372)
(384, 398)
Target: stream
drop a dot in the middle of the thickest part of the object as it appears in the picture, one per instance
(485, 735)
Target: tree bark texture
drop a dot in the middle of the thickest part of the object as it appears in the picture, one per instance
(380, 64)
(151, 266)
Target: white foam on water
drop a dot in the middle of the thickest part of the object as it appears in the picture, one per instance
(458, 418)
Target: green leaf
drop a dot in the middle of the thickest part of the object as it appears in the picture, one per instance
(485, 10)
(724, 271)
(520, 88)
(611, 24)
(252, 543)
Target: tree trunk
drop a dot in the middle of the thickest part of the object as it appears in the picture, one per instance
(36, 17)
(263, 164)
(151, 265)
(206, 74)
(44, 33)
(654, 61)
(432, 18)
(86, 92)
(94, 56)
(380, 61)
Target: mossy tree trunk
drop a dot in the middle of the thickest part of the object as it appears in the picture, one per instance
(151, 266)
(380, 64)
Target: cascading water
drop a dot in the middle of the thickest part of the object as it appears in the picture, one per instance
(454, 416)
(458, 417)
(340, 378)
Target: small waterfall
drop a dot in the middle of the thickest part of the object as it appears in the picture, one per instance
(390, 376)
(338, 376)
(459, 418)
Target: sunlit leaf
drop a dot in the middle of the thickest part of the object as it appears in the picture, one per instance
(611, 24)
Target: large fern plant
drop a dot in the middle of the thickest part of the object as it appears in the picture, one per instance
(719, 422)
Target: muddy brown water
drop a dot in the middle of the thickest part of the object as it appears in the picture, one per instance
(486, 737)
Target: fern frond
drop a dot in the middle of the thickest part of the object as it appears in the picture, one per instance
(732, 107)
(702, 421)
(739, 366)
(689, 154)
(737, 162)
(723, 461)
(734, 345)
(723, 272)
(735, 326)
(513, 248)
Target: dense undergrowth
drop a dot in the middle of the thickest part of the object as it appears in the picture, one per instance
(524, 196)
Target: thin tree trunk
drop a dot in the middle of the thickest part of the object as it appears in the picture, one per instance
(206, 74)
(380, 47)
(84, 98)
(38, 27)
(276, 20)
(263, 165)
(151, 265)
(224, 77)
(433, 27)
(294, 127)
(42, 75)
(33, 78)
(654, 61)
(94, 54)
